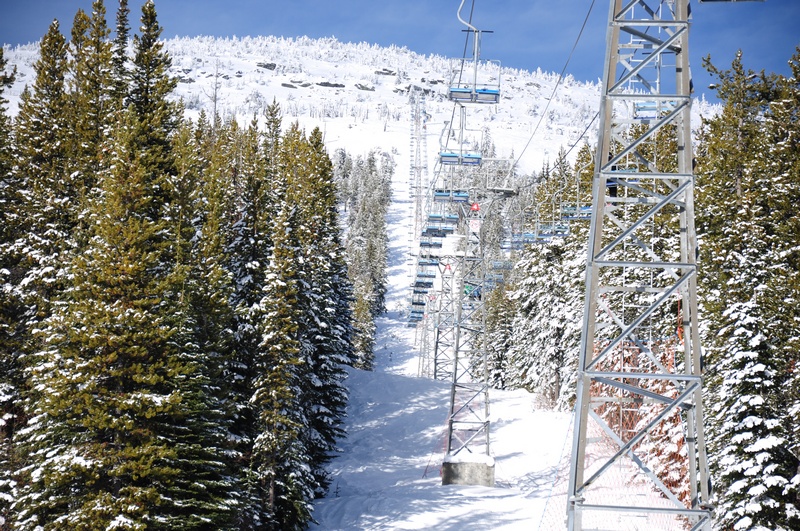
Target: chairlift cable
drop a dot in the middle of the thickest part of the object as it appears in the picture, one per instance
(555, 88)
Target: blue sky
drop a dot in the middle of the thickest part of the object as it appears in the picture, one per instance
(527, 33)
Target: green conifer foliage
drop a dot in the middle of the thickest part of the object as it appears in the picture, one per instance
(327, 303)
(41, 154)
(279, 459)
(365, 186)
(783, 125)
(120, 72)
(208, 486)
(189, 296)
(90, 85)
(150, 87)
(126, 426)
(46, 214)
(10, 200)
(11, 309)
(364, 323)
(272, 135)
(110, 369)
(747, 237)
(317, 392)
(499, 318)
(545, 350)
(249, 252)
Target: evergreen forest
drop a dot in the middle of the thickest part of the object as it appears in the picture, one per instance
(747, 195)
(181, 299)
(177, 310)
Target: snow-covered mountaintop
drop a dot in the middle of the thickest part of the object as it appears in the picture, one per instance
(358, 93)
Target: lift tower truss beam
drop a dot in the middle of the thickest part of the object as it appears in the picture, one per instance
(639, 374)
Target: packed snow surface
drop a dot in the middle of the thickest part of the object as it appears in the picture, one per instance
(388, 473)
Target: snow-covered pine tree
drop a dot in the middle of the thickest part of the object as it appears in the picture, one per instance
(747, 247)
(280, 459)
(367, 248)
(129, 413)
(120, 74)
(500, 310)
(549, 290)
(107, 391)
(573, 271)
(11, 308)
(249, 252)
(538, 353)
(41, 135)
(330, 241)
(210, 489)
(578, 193)
(327, 298)
(201, 492)
(375, 197)
(212, 299)
(43, 220)
(151, 85)
(363, 324)
(272, 134)
(783, 125)
(342, 168)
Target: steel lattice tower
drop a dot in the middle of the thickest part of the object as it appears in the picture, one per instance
(639, 374)
(445, 324)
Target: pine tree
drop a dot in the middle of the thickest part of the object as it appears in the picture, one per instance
(110, 368)
(745, 234)
(249, 252)
(342, 169)
(545, 343)
(500, 311)
(120, 73)
(11, 308)
(208, 489)
(90, 87)
(367, 243)
(279, 460)
(325, 300)
(298, 171)
(783, 126)
(548, 293)
(364, 325)
(43, 218)
(150, 87)
(41, 150)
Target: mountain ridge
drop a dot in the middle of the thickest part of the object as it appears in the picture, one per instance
(330, 84)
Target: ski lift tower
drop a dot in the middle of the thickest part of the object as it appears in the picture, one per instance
(640, 378)
(468, 460)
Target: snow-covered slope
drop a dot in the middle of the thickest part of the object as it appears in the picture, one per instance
(387, 476)
(358, 93)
